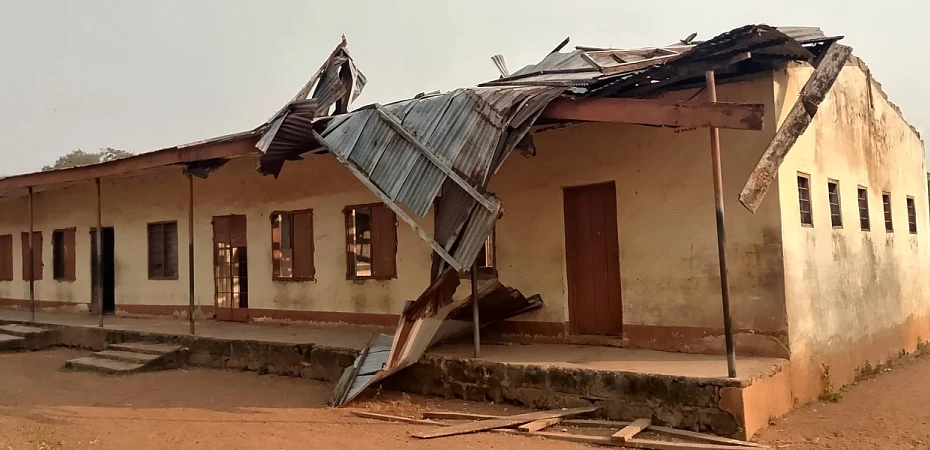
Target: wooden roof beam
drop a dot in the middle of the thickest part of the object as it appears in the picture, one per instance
(736, 116)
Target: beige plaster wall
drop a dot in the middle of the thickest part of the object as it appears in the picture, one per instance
(852, 295)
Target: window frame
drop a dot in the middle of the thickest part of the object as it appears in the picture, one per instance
(350, 254)
(295, 279)
(839, 203)
(887, 212)
(67, 258)
(810, 201)
(6, 256)
(868, 214)
(148, 251)
(911, 214)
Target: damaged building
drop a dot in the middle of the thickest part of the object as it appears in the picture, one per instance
(585, 180)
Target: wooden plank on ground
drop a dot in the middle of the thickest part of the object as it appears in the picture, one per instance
(579, 438)
(702, 437)
(799, 118)
(627, 432)
(390, 418)
(663, 445)
(457, 416)
(503, 422)
(538, 425)
(595, 423)
(671, 113)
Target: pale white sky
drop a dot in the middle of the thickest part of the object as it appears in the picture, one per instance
(143, 75)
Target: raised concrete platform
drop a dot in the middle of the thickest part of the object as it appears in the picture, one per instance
(676, 389)
(130, 358)
(23, 337)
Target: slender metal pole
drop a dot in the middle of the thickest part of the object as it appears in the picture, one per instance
(474, 308)
(721, 232)
(190, 250)
(32, 258)
(99, 252)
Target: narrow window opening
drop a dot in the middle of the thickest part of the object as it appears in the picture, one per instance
(911, 216)
(804, 198)
(886, 209)
(833, 196)
(863, 199)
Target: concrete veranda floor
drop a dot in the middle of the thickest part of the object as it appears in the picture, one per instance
(356, 337)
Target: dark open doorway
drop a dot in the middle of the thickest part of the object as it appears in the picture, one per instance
(109, 270)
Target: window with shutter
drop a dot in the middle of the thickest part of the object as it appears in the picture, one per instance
(36, 255)
(163, 250)
(371, 242)
(292, 245)
(6, 257)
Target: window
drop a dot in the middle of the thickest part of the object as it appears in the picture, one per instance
(36, 255)
(804, 197)
(292, 245)
(371, 242)
(6, 257)
(911, 216)
(886, 207)
(863, 198)
(833, 196)
(486, 258)
(63, 255)
(163, 251)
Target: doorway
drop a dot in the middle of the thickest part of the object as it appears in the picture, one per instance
(230, 268)
(108, 265)
(592, 256)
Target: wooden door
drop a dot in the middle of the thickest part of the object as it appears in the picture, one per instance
(230, 268)
(593, 260)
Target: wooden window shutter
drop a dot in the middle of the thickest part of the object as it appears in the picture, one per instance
(36, 257)
(171, 249)
(69, 254)
(302, 244)
(156, 250)
(384, 242)
(6, 257)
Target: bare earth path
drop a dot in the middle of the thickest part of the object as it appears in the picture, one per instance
(891, 411)
(44, 408)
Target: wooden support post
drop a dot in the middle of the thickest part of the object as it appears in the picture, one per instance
(32, 258)
(190, 251)
(99, 252)
(721, 231)
(474, 308)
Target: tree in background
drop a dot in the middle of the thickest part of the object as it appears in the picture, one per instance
(81, 158)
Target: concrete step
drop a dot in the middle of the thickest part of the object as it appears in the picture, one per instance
(34, 337)
(22, 330)
(8, 342)
(132, 357)
(145, 347)
(103, 365)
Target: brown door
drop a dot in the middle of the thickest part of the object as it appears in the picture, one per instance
(230, 268)
(593, 260)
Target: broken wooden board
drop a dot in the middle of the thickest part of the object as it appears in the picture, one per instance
(738, 116)
(457, 416)
(799, 118)
(608, 442)
(627, 432)
(538, 425)
(390, 418)
(711, 438)
(503, 422)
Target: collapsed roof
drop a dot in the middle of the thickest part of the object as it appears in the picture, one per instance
(447, 146)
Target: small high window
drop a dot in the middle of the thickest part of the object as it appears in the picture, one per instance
(804, 198)
(886, 208)
(163, 250)
(371, 242)
(833, 196)
(63, 255)
(292, 245)
(911, 215)
(863, 199)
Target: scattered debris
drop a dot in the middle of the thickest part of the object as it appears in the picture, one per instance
(533, 424)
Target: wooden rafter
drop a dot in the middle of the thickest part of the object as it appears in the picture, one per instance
(739, 116)
(799, 118)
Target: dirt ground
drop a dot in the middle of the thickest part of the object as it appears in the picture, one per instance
(890, 411)
(43, 408)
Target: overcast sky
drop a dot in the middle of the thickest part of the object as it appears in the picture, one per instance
(143, 75)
